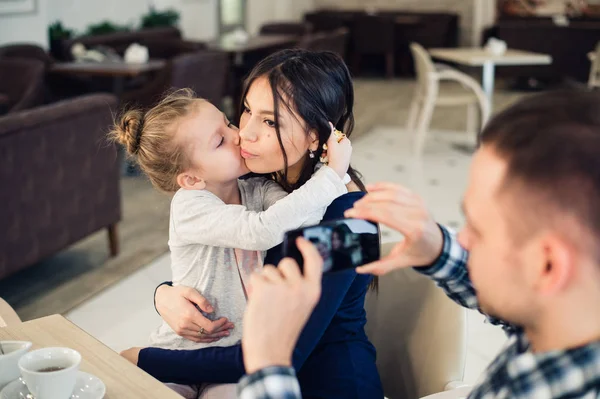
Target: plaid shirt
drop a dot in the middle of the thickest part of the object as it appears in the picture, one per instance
(270, 383)
(517, 372)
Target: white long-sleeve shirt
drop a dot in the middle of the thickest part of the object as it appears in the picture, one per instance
(206, 236)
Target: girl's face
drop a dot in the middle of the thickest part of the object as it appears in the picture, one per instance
(260, 146)
(212, 146)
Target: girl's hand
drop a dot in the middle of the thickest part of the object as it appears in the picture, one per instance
(177, 307)
(339, 151)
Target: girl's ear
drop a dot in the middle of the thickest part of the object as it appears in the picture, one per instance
(190, 182)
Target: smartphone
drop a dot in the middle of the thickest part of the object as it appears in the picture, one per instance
(343, 244)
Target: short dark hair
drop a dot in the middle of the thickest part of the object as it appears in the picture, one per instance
(551, 143)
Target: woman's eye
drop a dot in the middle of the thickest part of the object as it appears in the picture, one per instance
(270, 123)
(222, 141)
(246, 110)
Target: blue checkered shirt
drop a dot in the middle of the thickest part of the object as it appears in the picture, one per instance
(270, 383)
(517, 372)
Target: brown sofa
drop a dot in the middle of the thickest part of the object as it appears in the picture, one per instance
(161, 42)
(22, 82)
(59, 179)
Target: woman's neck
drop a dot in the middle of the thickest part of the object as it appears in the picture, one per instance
(228, 192)
(293, 172)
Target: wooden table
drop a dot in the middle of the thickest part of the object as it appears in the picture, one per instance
(122, 379)
(480, 57)
(254, 43)
(119, 71)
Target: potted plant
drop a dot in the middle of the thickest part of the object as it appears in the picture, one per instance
(56, 34)
(155, 18)
(106, 27)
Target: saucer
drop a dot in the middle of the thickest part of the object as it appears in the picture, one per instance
(87, 386)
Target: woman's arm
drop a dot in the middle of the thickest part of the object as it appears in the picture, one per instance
(225, 364)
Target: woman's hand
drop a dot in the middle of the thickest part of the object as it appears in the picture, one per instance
(338, 152)
(177, 307)
(132, 354)
(402, 210)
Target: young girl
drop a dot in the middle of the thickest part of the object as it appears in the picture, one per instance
(333, 356)
(219, 225)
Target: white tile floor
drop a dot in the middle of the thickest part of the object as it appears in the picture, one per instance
(123, 315)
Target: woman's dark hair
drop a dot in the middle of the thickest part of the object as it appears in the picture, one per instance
(318, 87)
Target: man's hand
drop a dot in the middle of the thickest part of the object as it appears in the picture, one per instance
(280, 301)
(397, 207)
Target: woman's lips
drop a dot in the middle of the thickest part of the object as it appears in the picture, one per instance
(246, 154)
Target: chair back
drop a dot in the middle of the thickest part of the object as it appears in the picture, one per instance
(373, 34)
(22, 80)
(205, 72)
(286, 28)
(424, 68)
(419, 333)
(335, 41)
(27, 51)
(594, 79)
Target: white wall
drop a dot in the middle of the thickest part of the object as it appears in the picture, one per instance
(29, 28)
(262, 11)
(198, 17)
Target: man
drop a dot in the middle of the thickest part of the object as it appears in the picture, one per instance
(532, 234)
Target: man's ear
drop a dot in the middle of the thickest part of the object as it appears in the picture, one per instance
(189, 181)
(558, 266)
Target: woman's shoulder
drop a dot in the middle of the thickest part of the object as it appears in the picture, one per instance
(341, 204)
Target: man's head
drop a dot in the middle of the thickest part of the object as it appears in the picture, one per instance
(533, 207)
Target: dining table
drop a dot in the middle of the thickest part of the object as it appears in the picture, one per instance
(480, 57)
(239, 48)
(121, 378)
(119, 71)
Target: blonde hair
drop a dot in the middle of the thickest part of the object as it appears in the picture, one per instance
(150, 137)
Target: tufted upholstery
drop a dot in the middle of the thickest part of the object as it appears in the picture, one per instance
(58, 176)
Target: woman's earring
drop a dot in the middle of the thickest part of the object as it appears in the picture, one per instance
(311, 153)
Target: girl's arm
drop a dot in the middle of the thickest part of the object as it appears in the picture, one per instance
(202, 218)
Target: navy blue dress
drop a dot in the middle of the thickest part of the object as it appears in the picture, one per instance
(333, 357)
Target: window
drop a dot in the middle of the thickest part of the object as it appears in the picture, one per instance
(232, 15)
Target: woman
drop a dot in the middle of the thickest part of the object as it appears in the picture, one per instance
(288, 100)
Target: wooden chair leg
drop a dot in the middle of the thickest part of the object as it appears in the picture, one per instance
(389, 65)
(113, 240)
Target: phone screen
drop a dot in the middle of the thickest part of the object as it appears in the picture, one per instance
(343, 244)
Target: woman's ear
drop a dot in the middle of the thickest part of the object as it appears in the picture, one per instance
(189, 181)
(313, 138)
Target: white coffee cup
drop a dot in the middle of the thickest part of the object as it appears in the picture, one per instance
(44, 382)
(9, 361)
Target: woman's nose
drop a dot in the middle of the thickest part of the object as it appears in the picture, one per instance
(248, 134)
